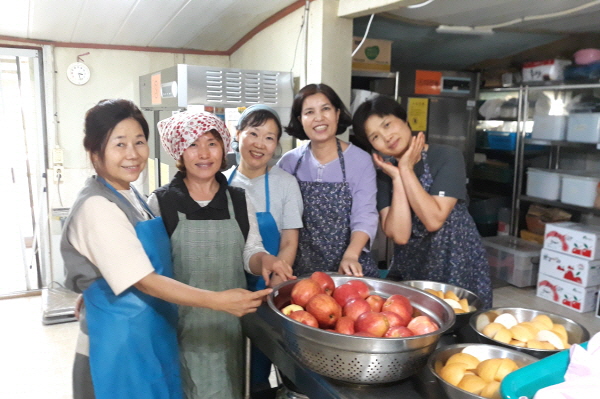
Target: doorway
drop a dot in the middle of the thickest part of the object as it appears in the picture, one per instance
(23, 205)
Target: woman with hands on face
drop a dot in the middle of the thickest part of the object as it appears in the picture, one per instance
(422, 202)
(337, 181)
(214, 238)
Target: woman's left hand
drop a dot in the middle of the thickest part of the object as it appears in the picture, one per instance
(350, 266)
(279, 267)
(413, 154)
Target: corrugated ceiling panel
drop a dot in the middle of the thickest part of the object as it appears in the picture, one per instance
(55, 20)
(99, 21)
(14, 18)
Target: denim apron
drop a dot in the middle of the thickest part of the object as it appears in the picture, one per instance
(260, 366)
(133, 338)
(326, 233)
(208, 254)
(454, 254)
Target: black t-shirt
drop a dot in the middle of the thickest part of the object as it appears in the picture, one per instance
(447, 167)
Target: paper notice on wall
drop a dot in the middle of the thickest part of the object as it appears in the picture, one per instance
(417, 113)
(155, 89)
(151, 168)
(165, 176)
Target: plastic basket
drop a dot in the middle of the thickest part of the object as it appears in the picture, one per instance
(525, 382)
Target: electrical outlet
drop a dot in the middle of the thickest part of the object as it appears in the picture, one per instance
(59, 174)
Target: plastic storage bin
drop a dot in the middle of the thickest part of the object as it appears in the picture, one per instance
(579, 190)
(543, 183)
(513, 260)
(502, 140)
(549, 127)
(584, 128)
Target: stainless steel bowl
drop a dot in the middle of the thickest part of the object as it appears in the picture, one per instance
(462, 319)
(576, 332)
(480, 351)
(362, 360)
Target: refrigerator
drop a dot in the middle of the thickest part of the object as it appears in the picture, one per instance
(223, 91)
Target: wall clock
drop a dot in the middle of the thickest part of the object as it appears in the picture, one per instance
(78, 73)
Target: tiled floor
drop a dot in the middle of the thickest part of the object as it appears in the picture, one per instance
(36, 359)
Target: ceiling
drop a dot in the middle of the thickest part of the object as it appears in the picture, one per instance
(218, 26)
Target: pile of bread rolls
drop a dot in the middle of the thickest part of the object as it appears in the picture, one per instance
(457, 304)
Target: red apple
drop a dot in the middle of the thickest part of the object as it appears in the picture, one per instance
(345, 325)
(344, 293)
(305, 318)
(373, 323)
(398, 332)
(304, 290)
(325, 309)
(355, 307)
(395, 319)
(376, 302)
(398, 304)
(422, 325)
(325, 282)
(364, 334)
(361, 287)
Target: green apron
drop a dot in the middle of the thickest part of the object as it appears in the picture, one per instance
(208, 254)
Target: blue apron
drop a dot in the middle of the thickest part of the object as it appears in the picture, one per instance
(133, 336)
(269, 233)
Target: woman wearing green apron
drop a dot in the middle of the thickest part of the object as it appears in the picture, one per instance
(275, 196)
(118, 254)
(214, 239)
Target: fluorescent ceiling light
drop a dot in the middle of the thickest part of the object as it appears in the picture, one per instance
(464, 30)
(421, 4)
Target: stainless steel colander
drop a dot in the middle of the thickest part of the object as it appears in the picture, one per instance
(363, 360)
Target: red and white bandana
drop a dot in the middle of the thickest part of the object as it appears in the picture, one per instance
(179, 131)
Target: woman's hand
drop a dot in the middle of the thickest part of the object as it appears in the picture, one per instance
(350, 266)
(273, 265)
(78, 306)
(413, 154)
(238, 301)
(387, 167)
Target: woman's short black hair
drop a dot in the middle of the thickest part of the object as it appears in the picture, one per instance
(102, 118)
(295, 129)
(380, 106)
(259, 118)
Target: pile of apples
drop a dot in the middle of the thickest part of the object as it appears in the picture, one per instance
(539, 333)
(351, 309)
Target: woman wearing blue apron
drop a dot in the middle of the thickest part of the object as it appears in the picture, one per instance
(276, 198)
(337, 181)
(422, 201)
(214, 239)
(118, 255)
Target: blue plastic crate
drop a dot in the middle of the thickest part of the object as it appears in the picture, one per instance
(502, 140)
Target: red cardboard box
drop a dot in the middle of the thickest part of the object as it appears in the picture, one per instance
(573, 239)
(566, 294)
(582, 272)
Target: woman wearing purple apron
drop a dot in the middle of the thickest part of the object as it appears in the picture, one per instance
(422, 202)
(276, 199)
(337, 181)
(118, 254)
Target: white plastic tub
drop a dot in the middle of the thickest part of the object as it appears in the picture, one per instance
(543, 183)
(549, 127)
(513, 260)
(584, 128)
(579, 190)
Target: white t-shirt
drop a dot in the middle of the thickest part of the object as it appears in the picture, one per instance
(102, 233)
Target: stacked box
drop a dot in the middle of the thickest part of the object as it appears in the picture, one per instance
(569, 273)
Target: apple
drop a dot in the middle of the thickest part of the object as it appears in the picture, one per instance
(291, 308)
(373, 323)
(361, 287)
(344, 293)
(304, 290)
(398, 332)
(395, 319)
(325, 309)
(376, 302)
(345, 325)
(325, 282)
(398, 304)
(422, 325)
(355, 307)
(305, 318)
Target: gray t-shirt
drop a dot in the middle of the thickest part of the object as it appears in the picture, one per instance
(447, 167)
(285, 198)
